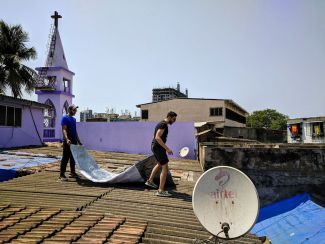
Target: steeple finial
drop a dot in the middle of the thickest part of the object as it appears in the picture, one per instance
(56, 18)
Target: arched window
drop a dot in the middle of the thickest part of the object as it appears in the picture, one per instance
(49, 115)
(65, 108)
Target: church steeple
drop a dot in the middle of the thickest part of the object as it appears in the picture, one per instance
(55, 84)
(55, 56)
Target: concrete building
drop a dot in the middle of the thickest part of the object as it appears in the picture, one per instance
(224, 111)
(55, 85)
(85, 115)
(306, 130)
(107, 116)
(21, 122)
(162, 94)
(125, 117)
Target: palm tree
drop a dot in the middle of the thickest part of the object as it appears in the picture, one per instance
(13, 51)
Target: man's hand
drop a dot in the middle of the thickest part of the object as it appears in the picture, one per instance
(68, 142)
(170, 152)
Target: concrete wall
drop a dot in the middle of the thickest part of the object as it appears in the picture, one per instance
(259, 134)
(26, 135)
(134, 137)
(277, 173)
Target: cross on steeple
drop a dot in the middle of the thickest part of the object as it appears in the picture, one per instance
(56, 18)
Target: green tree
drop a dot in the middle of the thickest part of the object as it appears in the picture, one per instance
(14, 75)
(268, 119)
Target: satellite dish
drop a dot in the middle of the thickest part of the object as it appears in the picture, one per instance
(226, 202)
(184, 152)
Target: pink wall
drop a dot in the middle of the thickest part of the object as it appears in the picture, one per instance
(25, 135)
(134, 137)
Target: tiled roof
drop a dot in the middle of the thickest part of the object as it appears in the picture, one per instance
(37, 207)
(50, 225)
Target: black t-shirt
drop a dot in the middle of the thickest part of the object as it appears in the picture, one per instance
(161, 125)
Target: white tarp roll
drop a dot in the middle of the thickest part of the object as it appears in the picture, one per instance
(90, 169)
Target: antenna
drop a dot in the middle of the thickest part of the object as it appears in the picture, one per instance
(184, 152)
(226, 202)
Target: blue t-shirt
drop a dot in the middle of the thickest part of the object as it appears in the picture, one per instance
(70, 122)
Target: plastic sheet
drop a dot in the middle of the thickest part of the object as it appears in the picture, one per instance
(10, 162)
(294, 220)
(17, 161)
(90, 169)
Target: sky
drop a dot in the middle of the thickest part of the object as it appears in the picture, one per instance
(261, 54)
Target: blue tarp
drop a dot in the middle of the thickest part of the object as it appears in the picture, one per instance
(282, 206)
(11, 162)
(294, 220)
(19, 161)
(7, 174)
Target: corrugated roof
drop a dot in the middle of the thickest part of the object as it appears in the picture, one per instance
(37, 207)
(13, 100)
(309, 119)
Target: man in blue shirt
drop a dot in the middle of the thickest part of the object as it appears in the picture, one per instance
(70, 136)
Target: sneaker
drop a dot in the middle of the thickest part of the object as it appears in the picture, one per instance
(151, 184)
(74, 175)
(163, 194)
(63, 178)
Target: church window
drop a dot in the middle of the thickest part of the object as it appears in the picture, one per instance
(66, 85)
(49, 115)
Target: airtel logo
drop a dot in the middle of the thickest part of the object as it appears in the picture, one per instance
(222, 178)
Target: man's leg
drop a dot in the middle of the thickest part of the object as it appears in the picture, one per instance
(72, 164)
(154, 172)
(65, 159)
(163, 177)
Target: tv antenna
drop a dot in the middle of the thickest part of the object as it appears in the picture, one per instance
(226, 203)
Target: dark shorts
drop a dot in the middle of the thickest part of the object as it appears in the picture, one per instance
(160, 154)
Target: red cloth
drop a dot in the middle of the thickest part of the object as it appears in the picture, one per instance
(294, 129)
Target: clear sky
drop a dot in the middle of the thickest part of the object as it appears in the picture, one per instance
(261, 54)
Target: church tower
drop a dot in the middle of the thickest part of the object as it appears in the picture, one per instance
(54, 85)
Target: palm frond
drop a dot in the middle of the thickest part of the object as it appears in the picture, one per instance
(13, 74)
(13, 81)
(28, 77)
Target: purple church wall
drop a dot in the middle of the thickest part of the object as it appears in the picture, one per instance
(134, 137)
(26, 135)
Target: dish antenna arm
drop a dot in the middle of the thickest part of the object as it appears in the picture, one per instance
(215, 238)
(225, 229)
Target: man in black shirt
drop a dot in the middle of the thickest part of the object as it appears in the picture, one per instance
(159, 149)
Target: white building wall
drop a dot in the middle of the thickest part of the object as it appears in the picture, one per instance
(307, 134)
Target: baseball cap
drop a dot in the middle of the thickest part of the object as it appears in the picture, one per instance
(72, 107)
